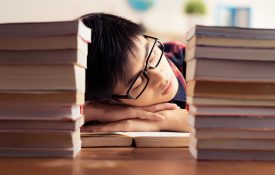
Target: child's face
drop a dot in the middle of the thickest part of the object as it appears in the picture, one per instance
(162, 85)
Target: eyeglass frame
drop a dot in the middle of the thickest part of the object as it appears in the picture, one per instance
(144, 71)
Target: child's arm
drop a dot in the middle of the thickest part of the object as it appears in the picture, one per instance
(175, 120)
(96, 111)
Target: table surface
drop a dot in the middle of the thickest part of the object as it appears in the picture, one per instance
(140, 161)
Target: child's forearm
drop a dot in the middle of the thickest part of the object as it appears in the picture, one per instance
(175, 120)
(111, 112)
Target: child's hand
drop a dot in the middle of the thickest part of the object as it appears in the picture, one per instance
(175, 120)
(123, 125)
(109, 113)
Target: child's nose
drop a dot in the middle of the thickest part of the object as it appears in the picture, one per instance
(157, 76)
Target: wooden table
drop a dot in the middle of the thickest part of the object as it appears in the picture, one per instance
(132, 161)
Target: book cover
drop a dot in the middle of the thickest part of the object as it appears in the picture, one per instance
(260, 122)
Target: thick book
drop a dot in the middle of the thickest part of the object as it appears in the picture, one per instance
(44, 57)
(42, 77)
(231, 110)
(222, 41)
(217, 154)
(42, 97)
(46, 29)
(39, 138)
(255, 121)
(43, 43)
(34, 124)
(39, 112)
(137, 139)
(231, 32)
(228, 89)
(39, 152)
(229, 101)
(230, 70)
(232, 133)
(230, 53)
(233, 144)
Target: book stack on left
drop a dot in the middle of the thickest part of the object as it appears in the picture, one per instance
(42, 86)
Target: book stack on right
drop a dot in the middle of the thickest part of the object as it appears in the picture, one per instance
(230, 89)
(42, 86)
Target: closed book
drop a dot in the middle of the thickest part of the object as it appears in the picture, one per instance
(233, 133)
(25, 124)
(39, 112)
(229, 101)
(227, 89)
(259, 122)
(39, 138)
(231, 110)
(230, 70)
(230, 32)
(42, 77)
(42, 97)
(234, 144)
(44, 57)
(217, 154)
(40, 152)
(43, 43)
(222, 41)
(230, 53)
(45, 29)
(137, 139)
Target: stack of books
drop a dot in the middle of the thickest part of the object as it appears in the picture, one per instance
(230, 89)
(42, 86)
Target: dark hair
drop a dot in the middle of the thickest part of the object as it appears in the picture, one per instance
(111, 45)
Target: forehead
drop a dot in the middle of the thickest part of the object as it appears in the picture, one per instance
(136, 60)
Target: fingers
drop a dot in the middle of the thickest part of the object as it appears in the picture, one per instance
(149, 112)
(149, 115)
(108, 127)
(124, 125)
(160, 107)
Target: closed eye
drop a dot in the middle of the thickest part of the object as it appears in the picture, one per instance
(137, 83)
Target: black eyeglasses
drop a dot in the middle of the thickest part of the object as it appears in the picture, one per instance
(142, 79)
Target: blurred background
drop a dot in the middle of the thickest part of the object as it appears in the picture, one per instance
(166, 19)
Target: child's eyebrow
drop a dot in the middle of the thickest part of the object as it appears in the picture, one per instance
(144, 60)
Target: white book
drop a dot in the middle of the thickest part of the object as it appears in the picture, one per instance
(234, 144)
(36, 138)
(74, 27)
(35, 124)
(40, 152)
(43, 43)
(216, 154)
(42, 77)
(231, 133)
(223, 101)
(232, 110)
(230, 70)
(138, 139)
(241, 122)
(44, 57)
(39, 112)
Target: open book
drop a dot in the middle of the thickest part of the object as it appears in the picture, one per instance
(136, 139)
